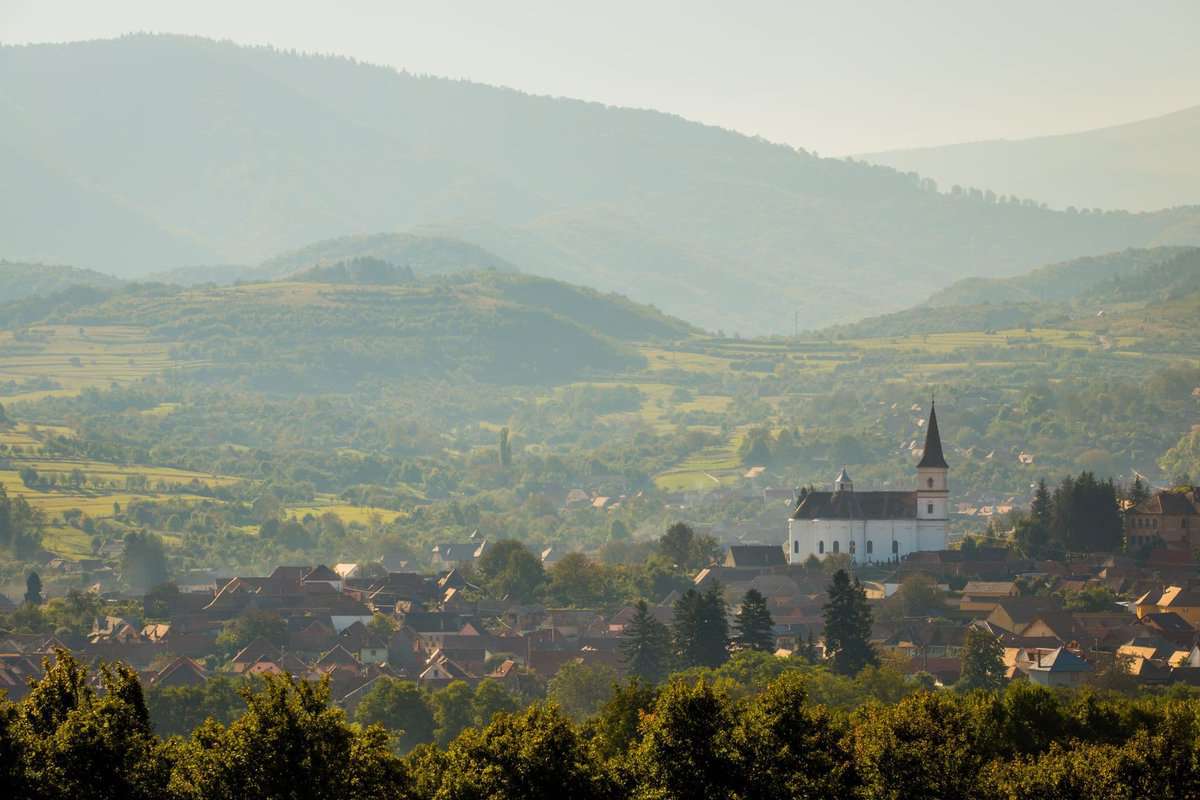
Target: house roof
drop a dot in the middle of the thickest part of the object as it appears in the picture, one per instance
(1179, 597)
(1169, 503)
(755, 555)
(933, 456)
(988, 588)
(1061, 660)
(338, 656)
(322, 573)
(856, 505)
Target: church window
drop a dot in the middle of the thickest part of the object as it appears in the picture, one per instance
(795, 545)
(836, 546)
(895, 546)
(930, 483)
(929, 508)
(870, 547)
(821, 546)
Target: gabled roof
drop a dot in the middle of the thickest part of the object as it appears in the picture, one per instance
(255, 650)
(338, 656)
(933, 456)
(1061, 660)
(1170, 503)
(856, 505)
(322, 573)
(755, 555)
(180, 672)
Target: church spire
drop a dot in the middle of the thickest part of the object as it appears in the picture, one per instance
(933, 457)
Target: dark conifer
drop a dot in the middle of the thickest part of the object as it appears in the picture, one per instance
(848, 626)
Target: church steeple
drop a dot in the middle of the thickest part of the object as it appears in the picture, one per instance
(933, 456)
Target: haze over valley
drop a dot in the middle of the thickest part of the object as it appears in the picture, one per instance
(371, 433)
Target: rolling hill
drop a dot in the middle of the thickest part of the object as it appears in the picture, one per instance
(343, 328)
(1143, 165)
(1147, 293)
(19, 281)
(245, 152)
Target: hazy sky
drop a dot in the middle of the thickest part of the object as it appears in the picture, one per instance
(823, 76)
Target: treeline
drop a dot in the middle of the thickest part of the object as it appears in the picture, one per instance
(76, 737)
(1080, 515)
(20, 526)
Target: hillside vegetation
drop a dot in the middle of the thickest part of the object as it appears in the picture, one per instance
(1152, 294)
(346, 324)
(19, 281)
(1143, 165)
(278, 150)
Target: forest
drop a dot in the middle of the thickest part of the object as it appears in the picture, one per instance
(699, 738)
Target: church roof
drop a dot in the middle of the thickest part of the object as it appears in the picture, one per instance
(933, 456)
(856, 505)
(843, 477)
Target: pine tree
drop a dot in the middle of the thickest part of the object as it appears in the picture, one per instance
(647, 648)
(848, 626)
(754, 626)
(1138, 493)
(33, 589)
(1042, 508)
(982, 662)
(701, 629)
(505, 449)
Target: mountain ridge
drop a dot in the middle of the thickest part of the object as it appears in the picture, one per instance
(1142, 165)
(277, 150)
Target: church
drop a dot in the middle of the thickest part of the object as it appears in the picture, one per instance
(875, 527)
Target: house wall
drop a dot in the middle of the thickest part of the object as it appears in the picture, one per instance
(818, 538)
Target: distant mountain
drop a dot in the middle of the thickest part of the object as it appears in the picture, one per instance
(424, 255)
(1055, 282)
(156, 152)
(1156, 288)
(19, 281)
(1154, 163)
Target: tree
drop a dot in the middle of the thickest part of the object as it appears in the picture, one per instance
(700, 628)
(91, 744)
(754, 628)
(1138, 493)
(919, 595)
(580, 689)
(676, 544)
(982, 662)
(848, 626)
(505, 449)
(1086, 515)
(490, 699)
(291, 742)
(534, 754)
(452, 711)
(647, 646)
(789, 748)
(33, 589)
(143, 561)
(401, 707)
(921, 747)
(686, 749)
(576, 580)
(508, 569)
(617, 721)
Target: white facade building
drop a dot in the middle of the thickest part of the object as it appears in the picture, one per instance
(873, 527)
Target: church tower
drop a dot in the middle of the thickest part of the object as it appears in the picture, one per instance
(933, 490)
